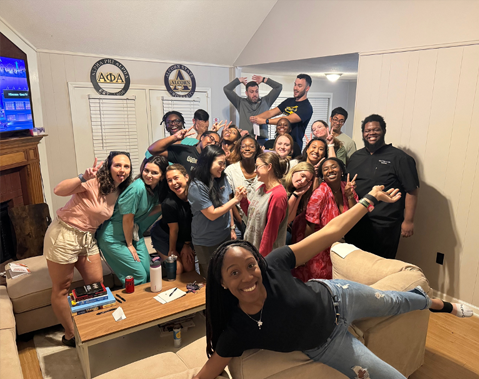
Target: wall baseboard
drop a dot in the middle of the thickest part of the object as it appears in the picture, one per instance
(451, 299)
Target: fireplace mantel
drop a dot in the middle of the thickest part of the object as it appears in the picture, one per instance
(19, 159)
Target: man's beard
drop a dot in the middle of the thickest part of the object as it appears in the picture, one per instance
(372, 147)
(300, 94)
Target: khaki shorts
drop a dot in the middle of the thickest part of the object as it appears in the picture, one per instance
(64, 244)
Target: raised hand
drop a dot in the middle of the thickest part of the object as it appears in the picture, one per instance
(316, 166)
(90, 173)
(240, 193)
(242, 132)
(218, 125)
(390, 196)
(308, 139)
(329, 138)
(350, 186)
(183, 133)
(257, 78)
(243, 80)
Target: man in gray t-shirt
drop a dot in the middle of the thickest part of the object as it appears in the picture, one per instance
(252, 104)
(338, 118)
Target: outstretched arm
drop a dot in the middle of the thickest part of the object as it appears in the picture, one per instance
(213, 367)
(338, 227)
(261, 119)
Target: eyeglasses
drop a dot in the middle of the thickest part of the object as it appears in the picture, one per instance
(258, 167)
(338, 120)
(173, 122)
(247, 147)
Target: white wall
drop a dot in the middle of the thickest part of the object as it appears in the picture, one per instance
(29, 50)
(430, 101)
(344, 93)
(299, 29)
(56, 70)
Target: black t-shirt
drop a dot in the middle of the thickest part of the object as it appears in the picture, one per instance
(185, 155)
(268, 145)
(173, 210)
(294, 316)
(304, 110)
(390, 167)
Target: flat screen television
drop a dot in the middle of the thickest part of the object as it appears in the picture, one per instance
(15, 105)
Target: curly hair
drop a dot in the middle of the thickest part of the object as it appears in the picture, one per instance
(220, 303)
(236, 151)
(161, 190)
(105, 180)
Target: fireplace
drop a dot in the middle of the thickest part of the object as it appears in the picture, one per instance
(20, 184)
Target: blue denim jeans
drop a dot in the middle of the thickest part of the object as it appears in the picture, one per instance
(354, 301)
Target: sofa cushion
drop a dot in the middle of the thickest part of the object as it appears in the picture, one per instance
(366, 268)
(9, 361)
(194, 354)
(34, 290)
(7, 320)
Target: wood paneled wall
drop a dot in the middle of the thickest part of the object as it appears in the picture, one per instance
(430, 101)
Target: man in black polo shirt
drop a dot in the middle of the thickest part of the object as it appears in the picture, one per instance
(297, 110)
(185, 155)
(377, 163)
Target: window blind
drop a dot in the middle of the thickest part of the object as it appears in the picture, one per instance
(186, 106)
(113, 122)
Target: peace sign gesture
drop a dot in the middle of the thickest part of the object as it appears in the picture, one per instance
(350, 186)
(329, 137)
(183, 133)
(90, 173)
(308, 139)
(218, 125)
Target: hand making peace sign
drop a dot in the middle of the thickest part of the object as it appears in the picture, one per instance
(90, 173)
(350, 186)
(183, 133)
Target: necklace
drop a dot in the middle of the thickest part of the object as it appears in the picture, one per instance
(259, 322)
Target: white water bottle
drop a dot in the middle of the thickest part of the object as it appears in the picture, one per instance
(155, 276)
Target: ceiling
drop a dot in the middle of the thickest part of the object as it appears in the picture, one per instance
(346, 64)
(213, 32)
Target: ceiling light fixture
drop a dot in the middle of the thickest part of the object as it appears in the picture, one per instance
(333, 76)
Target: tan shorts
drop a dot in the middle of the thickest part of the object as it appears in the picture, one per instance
(64, 243)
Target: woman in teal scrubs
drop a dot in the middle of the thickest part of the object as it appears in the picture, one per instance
(121, 238)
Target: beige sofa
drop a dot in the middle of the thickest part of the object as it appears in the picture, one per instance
(9, 362)
(30, 295)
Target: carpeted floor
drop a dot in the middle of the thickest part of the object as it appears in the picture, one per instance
(59, 362)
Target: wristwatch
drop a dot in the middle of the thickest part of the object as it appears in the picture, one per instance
(262, 80)
(233, 227)
(372, 199)
(267, 120)
(366, 204)
(82, 179)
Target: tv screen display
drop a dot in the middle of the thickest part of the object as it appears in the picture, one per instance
(15, 107)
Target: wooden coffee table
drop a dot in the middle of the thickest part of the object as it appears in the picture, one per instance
(141, 311)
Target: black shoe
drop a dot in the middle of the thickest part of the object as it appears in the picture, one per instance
(69, 343)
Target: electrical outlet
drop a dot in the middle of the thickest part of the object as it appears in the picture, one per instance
(440, 258)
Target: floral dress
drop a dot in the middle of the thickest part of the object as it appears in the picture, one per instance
(321, 209)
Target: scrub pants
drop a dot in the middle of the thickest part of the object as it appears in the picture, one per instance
(122, 263)
(354, 301)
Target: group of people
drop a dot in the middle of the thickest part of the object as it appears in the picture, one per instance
(233, 201)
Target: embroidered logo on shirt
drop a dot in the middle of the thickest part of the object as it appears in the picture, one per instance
(191, 159)
(384, 162)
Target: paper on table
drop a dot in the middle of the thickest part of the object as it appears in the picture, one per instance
(165, 296)
(119, 314)
(343, 249)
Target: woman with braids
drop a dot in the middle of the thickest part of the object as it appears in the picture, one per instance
(171, 235)
(209, 197)
(267, 211)
(255, 303)
(121, 238)
(70, 241)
